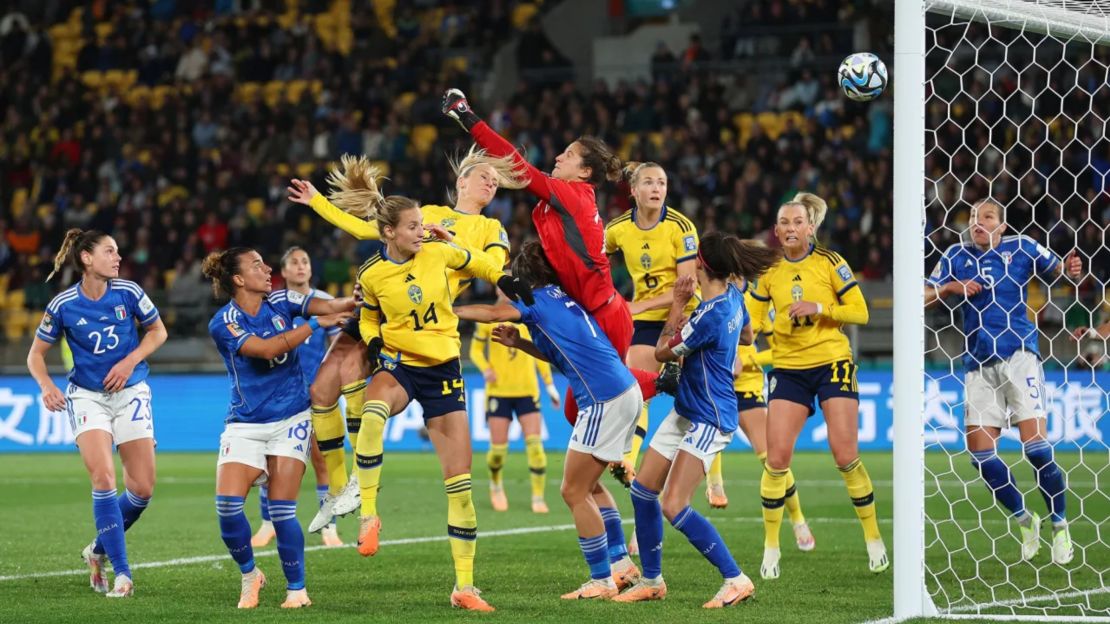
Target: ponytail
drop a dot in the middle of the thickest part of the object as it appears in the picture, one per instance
(603, 164)
(726, 257)
(356, 190)
(75, 243)
(505, 169)
(220, 267)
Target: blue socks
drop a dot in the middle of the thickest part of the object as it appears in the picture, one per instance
(997, 475)
(614, 533)
(290, 541)
(235, 531)
(264, 502)
(649, 529)
(130, 507)
(707, 540)
(596, 552)
(109, 529)
(1050, 479)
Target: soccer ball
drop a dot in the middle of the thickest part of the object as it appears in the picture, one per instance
(862, 76)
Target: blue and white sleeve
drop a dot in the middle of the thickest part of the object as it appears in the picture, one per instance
(942, 272)
(1045, 262)
(143, 308)
(228, 335)
(50, 328)
(699, 331)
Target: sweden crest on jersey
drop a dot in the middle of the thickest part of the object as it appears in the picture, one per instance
(645, 261)
(415, 294)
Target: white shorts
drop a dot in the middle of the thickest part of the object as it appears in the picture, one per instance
(676, 434)
(125, 414)
(605, 430)
(251, 443)
(1005, 393)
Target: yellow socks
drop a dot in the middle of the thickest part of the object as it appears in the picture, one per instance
(863, 497)
(537, 464)
(462, 527)
(793, 503)
(715, 477)
(638, 438)
(355, 394)
(368, 454)
(328, 425)
(495, 460)
(772, 488)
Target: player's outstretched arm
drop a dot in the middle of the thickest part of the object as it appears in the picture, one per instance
(510, 337)
(270, 348)
(303, 192)
(318, 306)
(484, 313)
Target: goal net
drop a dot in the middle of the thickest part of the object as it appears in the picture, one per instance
(1017, 111)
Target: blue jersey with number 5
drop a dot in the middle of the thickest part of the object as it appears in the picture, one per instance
(570, 339)
(100, 332)
(262, 391)
(996, 321)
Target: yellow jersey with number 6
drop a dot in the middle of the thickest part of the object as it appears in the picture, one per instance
(653, 255)
(823, 277)
(408, 303)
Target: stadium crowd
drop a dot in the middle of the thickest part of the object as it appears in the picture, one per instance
(183, 157)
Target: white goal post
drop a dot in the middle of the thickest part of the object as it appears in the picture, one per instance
(1025, 591)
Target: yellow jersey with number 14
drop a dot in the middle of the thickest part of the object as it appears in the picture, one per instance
(408, 303)
(471, 231)
(823, 277)
(653, 255)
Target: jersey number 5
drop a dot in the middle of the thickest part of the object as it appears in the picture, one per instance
(429, 317)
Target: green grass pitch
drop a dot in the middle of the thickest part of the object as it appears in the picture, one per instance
(183, 573)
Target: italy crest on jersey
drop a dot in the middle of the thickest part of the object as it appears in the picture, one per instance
(1006, 257)
(279, 323)
(121, 313)
(415, 294)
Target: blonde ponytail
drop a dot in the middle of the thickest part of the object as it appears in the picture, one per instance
(356, 190)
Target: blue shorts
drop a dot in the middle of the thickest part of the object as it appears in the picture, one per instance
(505, 407)
(749, 400)
(647, 332)
(439, 389)
(827, 381)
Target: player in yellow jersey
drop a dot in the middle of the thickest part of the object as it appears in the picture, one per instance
(659, 245)
(344, 370)
(752, 411)
(511, 387)
(814, 293)
(410, 328)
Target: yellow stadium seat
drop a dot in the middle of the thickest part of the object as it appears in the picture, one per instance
(137, 95)
(248, 91)
(93, 79)
(404, 102)
(19, 202)
(656, 139)
(256, 207)
(282, 169)
(423, 138)
(305, 170)
(168, 277)
(15, 300)
(294, 89)
(522, 13)
(103, 30)
(272, 92)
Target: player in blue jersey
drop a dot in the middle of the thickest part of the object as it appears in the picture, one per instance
(1004, 381)
(108, 400)
(704, 417)
(296, 270)
(609, 402)
(268, 424)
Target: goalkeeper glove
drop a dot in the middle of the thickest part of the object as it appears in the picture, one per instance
(456, 107)
(373, 353)
(515, 289)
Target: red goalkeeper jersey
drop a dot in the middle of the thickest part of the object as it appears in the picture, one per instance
(568, 224)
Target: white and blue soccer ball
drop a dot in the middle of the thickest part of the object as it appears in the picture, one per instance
(862, 76)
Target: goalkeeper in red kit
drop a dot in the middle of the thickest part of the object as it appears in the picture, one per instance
(569, 227)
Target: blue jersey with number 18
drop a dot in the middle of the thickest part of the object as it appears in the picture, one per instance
(262, 391)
